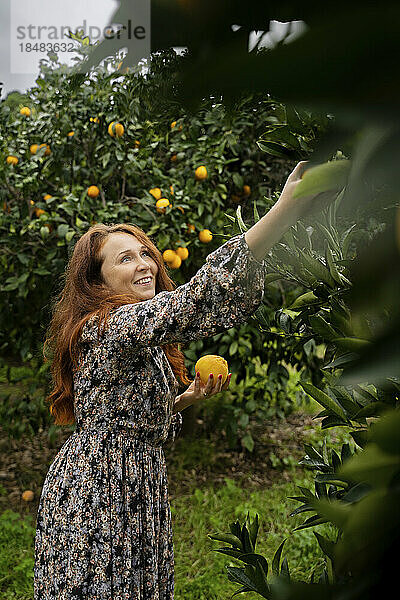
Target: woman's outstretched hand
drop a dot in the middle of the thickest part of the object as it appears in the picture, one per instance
(197, 390)
(299, 207)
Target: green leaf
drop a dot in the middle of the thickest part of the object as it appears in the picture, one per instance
(248, 442)
(317, 269)
(322, 178)
(304, 300)
(256, 215)
(321, 327)
(277, 559)
(243, 227)
(351, 343)
(372, 466)
(323, 399)
(326, 545)
(331, 264)
(228, 539)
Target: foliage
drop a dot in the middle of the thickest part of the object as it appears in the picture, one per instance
(348, 303)
(46, 206)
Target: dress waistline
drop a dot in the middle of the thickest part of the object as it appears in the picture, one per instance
(119, 427)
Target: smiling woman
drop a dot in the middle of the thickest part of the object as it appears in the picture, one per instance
(102, 274)
(128, 262)
(104, 527)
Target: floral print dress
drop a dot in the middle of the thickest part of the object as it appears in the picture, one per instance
(103, 529)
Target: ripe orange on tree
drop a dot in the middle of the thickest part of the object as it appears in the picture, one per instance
(162, 204)
(201, 173)
(156, 193)
(25, 111)
(71, 133)
(33, 148)
(47, 151)
(174, 158)
(93, 191)
(205, 236)
(12, 160)
(168, 255)
(137, 143)
(246, 190)
(174, 262)
(173, 124)
(182, 252)
(116, 129)
(39, 211)
(94, 119)
(47, 197)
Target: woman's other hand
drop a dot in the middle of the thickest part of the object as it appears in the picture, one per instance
(198, 391)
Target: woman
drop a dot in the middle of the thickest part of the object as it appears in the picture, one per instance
(103, 526)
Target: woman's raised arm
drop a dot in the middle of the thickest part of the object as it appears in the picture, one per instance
(271, 227)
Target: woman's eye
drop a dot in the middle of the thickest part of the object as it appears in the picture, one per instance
(127, 256)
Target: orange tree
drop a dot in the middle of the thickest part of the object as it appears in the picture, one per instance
(115, 149)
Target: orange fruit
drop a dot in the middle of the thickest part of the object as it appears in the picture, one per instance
(71, 133)
(137, 143)
(33, 148)
(180, 127)
(28, 495)
(12, 160)
(162, 204)
(182, 252)
(94, 119)
(32, 202)
(246, 190)
(168, 255)
(39, 211)
(47, 151)
(173, 124)
(93, 191)
(205, 236)
(200, 173)
(47, 197)
(211, 363)
(176, 262)
(25, 111)
(156, 193)
(174, 158)
(116, 129)
(171, 189)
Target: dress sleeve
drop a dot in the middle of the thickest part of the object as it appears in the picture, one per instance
(224, 293)
(175, 427)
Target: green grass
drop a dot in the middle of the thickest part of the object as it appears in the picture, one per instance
(200, 572)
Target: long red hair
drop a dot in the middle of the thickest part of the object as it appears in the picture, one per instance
(83, 295)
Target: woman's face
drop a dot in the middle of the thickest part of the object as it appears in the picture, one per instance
(126, 261)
